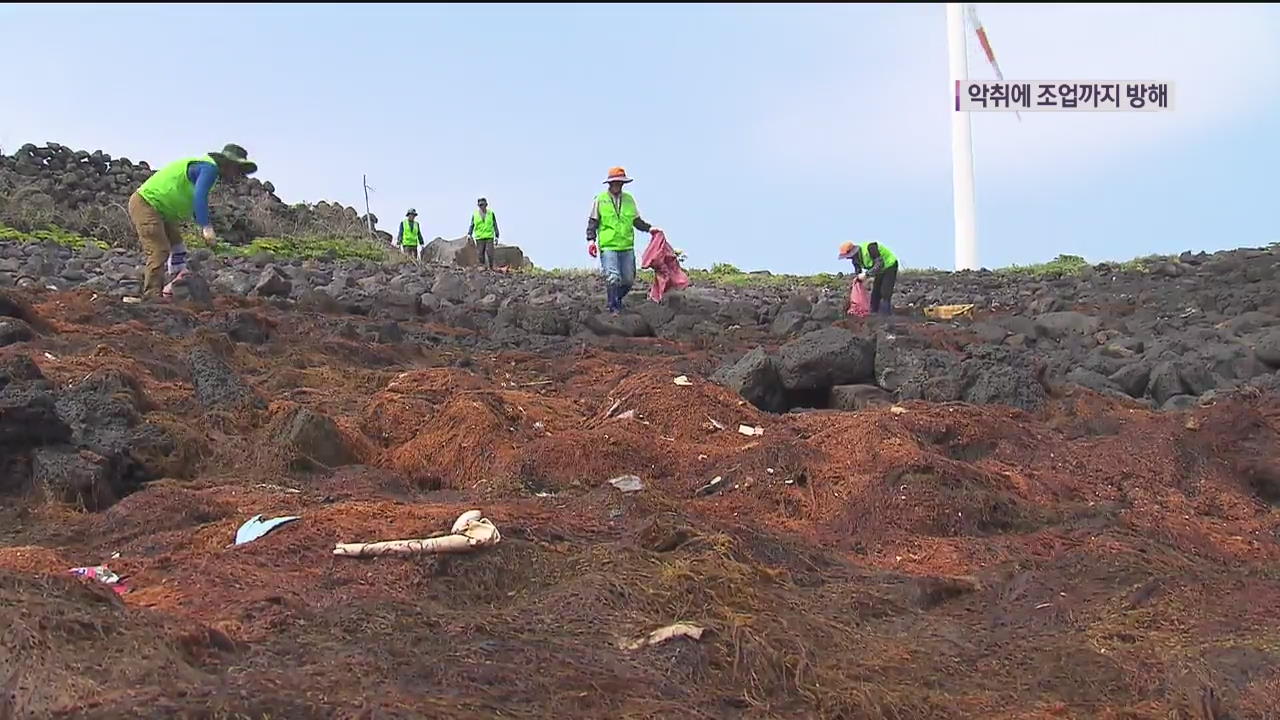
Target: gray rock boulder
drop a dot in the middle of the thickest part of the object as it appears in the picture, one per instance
(459, 252)
(1133, 379)
(78, 477)
(273, 282)
(543, 321)
(248, 327)
(788, 323)
(216, 384)
(826, 358)
(1093, 381)
(1164, 383)
(1058, 325)
(755, 378)
(449, 288)
(999, 376)
(28, 417)
(1250, 322)
(623, 325)
(510, 256)
(858, 397)
(14, 330)
(696, 301)
(1267, 348)
(314, 439)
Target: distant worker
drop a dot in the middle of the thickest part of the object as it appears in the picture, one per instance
(484, 230)
(877, 262)
(176, 193)
(611, 230)
(409, 237)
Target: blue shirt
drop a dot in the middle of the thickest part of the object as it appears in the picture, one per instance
(203, 174)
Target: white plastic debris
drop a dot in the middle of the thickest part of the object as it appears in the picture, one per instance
(627, 483)
(664, 634)
(897, 410)
(278, 488)
(750, 431)
(131, 300)
(471, 530)
(683, 381)
(716, 483)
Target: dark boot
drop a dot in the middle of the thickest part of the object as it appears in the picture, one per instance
(612, 292)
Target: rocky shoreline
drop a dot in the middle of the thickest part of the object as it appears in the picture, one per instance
(1168, 336)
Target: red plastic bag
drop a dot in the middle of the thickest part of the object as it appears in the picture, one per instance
(859, 299)
(667, 274)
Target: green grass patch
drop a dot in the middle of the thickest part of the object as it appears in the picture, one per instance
(1061, 265)
(723, 275)
(727, 275)
(1074, 265)
(49, 233)
(311, 247)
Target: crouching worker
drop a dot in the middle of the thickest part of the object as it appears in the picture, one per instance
(175, 194)
(876, 262)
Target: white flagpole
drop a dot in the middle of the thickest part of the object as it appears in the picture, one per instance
(961, 147)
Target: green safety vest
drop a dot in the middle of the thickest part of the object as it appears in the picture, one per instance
(410, 233)
(617, 229)
(885, 254)
(482, 228)
(170, 192)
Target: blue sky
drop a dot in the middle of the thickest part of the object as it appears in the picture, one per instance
(758, 135)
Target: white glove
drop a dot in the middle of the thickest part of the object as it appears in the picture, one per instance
(862, 276)
(207, 232)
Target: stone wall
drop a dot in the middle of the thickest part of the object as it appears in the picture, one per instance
(88, 192)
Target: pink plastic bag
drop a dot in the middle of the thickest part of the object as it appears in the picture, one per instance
(667, 274)
(859, 300)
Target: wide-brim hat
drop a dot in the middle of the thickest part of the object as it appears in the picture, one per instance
(236, 155)
(411, 213)
(847, 250)
(617, 174)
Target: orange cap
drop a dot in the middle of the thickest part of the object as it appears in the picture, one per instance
(846, 249)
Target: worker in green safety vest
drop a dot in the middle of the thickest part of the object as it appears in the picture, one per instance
(484, 230)
(611, 233)
(178, 193)
(876, 262)
(409, 238)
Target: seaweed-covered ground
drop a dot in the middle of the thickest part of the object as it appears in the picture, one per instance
(1093, 558)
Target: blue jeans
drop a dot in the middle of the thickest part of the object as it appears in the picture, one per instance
(619, 268)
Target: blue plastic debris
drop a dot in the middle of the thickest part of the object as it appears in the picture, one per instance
(255, 527)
